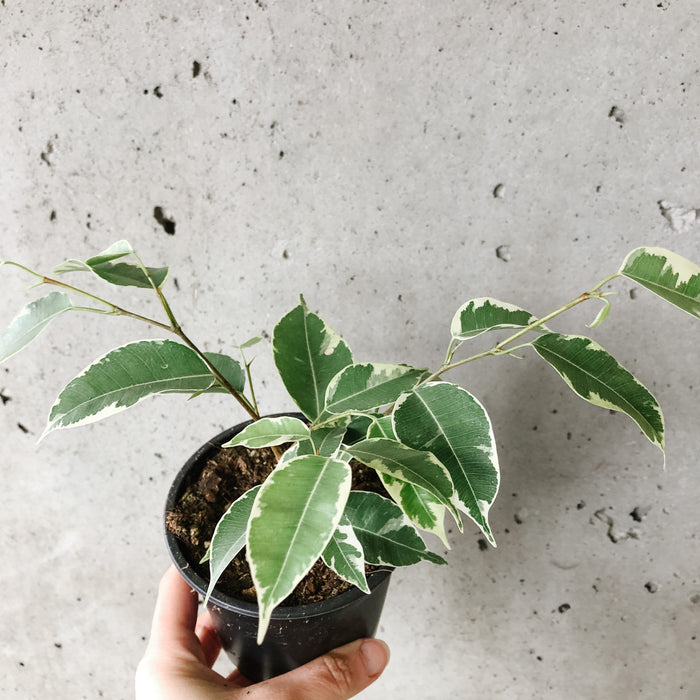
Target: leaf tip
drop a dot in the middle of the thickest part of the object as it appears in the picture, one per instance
(48, 429)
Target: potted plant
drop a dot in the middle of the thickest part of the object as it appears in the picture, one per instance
(422, 447)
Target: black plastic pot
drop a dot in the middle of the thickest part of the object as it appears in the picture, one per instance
(296, 634)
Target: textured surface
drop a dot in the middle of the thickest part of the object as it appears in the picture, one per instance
(388, 161)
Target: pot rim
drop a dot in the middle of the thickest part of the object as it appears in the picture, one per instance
(223, 600)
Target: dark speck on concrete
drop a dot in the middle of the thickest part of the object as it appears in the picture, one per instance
(618, 115)
(564, 607)
(196, 68)
(651, 587)
(47, 152)
(168, 224)
(483, 545)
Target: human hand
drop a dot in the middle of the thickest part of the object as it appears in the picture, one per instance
(182, 649)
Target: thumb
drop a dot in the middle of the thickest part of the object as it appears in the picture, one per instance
(338, 675)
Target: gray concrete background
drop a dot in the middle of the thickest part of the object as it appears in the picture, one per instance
(350, 151)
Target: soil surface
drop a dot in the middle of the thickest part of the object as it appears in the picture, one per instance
(225, 477)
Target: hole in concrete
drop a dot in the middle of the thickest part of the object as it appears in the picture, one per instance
(168, 224)
(503, 253)
(618, 115)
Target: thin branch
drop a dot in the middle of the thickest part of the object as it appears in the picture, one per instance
(499, 348)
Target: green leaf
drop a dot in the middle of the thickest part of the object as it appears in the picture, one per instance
(129, 275)
(230, 369)
(308, 354)
(71, 265)
(30, 321)
(387, 536)
(421, 508)
(122, 274)
(366, 386)
(667, 274)
(125, 376)
(298, 449)
(344, 555)
(415, 467)
(117, 250)
(600, 379)
(295, 514)
(382, 427)
(485, 314)
(229, 537)
(357, 429)
(448, 421)
(270, 431)
(250, 343)
(327, 440)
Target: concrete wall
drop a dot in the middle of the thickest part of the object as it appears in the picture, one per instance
(351, 152)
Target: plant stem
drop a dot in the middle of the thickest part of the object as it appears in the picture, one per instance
(174, 326)
(247, 365)
(113, 308)
(499, 348)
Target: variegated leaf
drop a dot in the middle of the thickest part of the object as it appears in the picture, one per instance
(30, 321)
(357, 429)
(600, 379)
(125, 376)
(344, 555)
(229, 537)
(667, 274)
(387, 536)
(121, 273)
(448, 421)
(414, 467)
(601, 315)
(420, 507)
(485, 314)
(298, 449)
(366, 386)
(267, 432)
(119, 249)
(301, 504)
(382, 427)
(327, 440)
(308, 354)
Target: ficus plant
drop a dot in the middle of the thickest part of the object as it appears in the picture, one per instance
(429, 441)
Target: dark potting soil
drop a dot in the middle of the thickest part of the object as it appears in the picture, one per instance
(225, 477)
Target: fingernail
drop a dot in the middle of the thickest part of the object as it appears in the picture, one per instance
(376, 656)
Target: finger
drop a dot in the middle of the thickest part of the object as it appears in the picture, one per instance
(175, 613)
(339, 675)
(208, 638)
(239, 679)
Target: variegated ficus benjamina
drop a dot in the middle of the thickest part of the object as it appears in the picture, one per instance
(430, 441)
